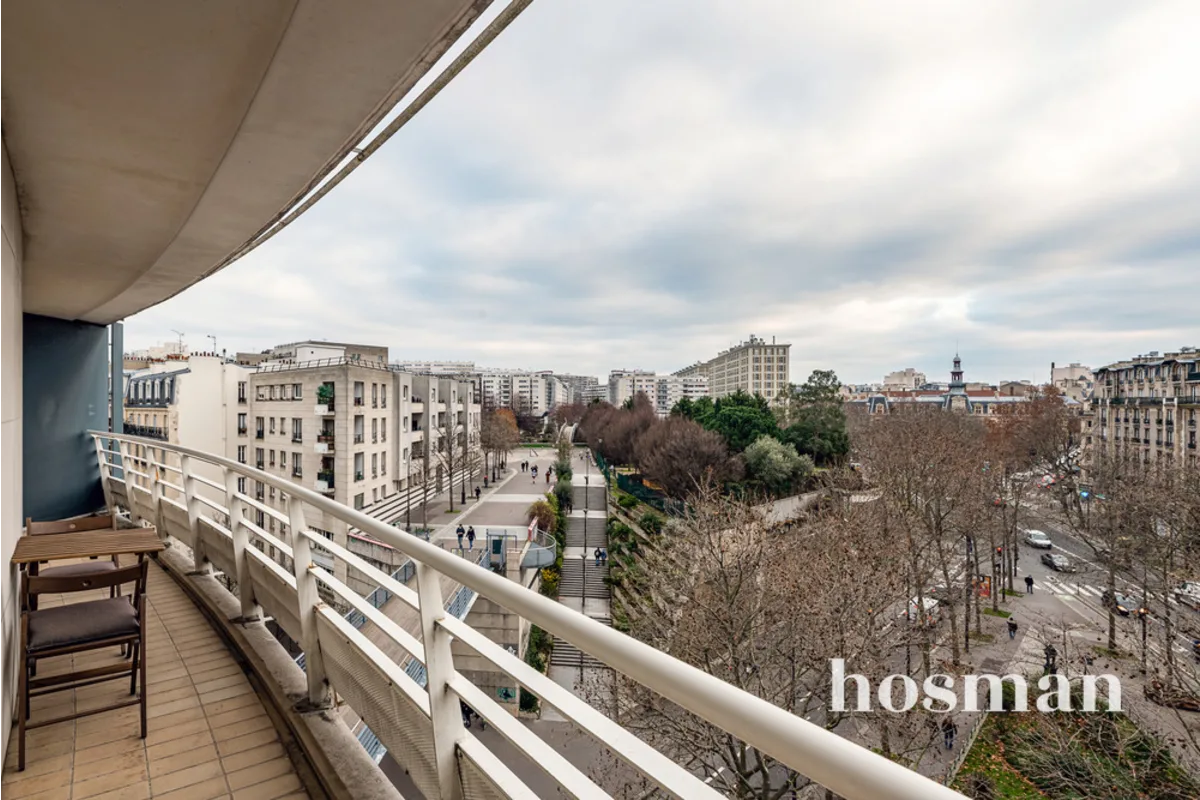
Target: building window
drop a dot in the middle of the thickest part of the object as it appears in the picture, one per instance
(358, 393)
(241, 454)
(404, 390)
(271, 457)
(274, 392)
(359, 501)
(383, 429)
(374, 431)
(282, 460)
(258, 427)
(258, 457)
(374, 495)
(374, 465)
(241, 484)
(383, 395)
(272, 426)
(241, 391)
(297, 429)
(297, 391)
(359, 460)
(374, 395)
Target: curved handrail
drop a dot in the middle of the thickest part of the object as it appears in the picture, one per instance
(836, 763)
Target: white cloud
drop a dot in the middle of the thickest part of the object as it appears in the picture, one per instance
(623, 183)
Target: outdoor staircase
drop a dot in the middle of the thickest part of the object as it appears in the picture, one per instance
(595, 535)
(567, 655)
(582, 578)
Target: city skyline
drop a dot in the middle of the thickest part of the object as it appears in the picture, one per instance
(870, 189)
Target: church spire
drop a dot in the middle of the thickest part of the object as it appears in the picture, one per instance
(956, 374)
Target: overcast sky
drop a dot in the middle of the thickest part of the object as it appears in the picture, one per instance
(641, 184)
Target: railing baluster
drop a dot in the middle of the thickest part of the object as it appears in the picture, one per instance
(444, 710)
(105, 474)
(127, 471)
(241, 540)
(308, 600)
(154, 466)
(199, 559)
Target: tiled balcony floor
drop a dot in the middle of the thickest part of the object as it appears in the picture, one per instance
(208, 735)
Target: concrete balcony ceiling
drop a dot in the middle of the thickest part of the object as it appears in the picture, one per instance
(150, 140)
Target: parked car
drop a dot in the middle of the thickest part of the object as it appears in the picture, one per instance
(1038, 539)
(1188, 593)
(1122, 604)
(1057, 563)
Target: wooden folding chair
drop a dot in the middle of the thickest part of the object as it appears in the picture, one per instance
(104, 522)
(77, 628)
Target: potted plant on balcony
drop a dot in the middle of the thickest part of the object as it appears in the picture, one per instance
(325, 395)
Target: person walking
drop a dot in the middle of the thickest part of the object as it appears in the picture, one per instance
(597, 555)
(1012, 629)
(603, 557)
(471, 538)
(1028, 584)
(548, 474)
(478, 492)
(949, 730)
(461, 531)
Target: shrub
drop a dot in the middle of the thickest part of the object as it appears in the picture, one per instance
(627, 501)
(651, 523)
(562, 494)
(529, 701)
(545, 514)
(550, 578)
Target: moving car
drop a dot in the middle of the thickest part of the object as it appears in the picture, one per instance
(1122, 604)
(1188, 593)
(1038, 539)
(1057, 563)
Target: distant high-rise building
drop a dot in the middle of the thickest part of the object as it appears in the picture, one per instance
(1148, 404)
(663, 391)
(754, 366)
(903, 380)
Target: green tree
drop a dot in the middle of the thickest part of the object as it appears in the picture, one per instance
(741, 418)
(813, 418)
(777, 466)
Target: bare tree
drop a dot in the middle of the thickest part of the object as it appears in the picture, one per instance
(734, 598)
(677, 454)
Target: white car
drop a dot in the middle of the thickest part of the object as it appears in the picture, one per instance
(1188, 593)
(1038, 539)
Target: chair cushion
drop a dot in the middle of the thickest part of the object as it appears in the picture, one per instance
(82, 568)
(80, 623)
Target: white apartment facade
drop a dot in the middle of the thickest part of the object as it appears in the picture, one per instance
(1074, 380)
(754, 366)
(624, 384)
(1150, 405)
(907, 379)
(664, 391)
(191, 400)
(358, 431)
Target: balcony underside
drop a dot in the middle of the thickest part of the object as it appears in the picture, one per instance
(149, 141)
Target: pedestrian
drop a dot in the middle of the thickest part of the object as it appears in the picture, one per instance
(471, 538)
(548, 474)
(603, 557)
(1029, 584)
(597, 555)
(949, 729)
(460, 533)
(466, 714)
(1012, 629)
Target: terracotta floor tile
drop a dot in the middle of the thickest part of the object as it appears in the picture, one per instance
(259, 773)
(126, 776)
(188, 742)
(131, 759)
(255, 755)
(269, 790)
(188, 758)
(205, 790)
(186, 777)
(237, 744)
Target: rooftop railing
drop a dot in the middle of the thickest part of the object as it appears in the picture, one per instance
(413, 705)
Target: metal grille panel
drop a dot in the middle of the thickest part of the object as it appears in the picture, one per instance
(278, 599)
(394, 716)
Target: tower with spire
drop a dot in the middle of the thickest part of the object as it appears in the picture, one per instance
(956, 398)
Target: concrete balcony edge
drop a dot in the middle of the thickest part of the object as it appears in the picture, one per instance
(329, 760)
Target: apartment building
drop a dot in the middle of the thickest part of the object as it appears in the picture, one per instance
(192, 400)
(445, 369)
(357, 431)
(670, 389)
(624, 384)
(1074, 380)
(906, 379)
(754, 366)
(1149, 404)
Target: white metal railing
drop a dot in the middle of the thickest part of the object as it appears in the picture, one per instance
(423, 724)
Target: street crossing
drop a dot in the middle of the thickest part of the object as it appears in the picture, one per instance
(1062, 587)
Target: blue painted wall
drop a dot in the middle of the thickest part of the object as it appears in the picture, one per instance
(66, 394)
